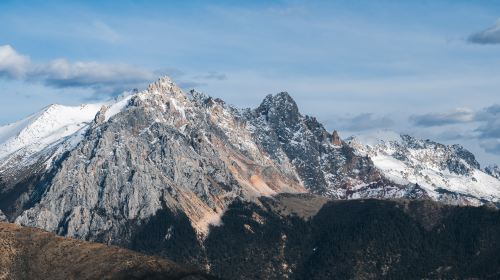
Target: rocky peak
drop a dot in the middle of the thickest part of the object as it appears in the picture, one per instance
(493, 170)
(336, 139)
(100, 117)
(165, 85)
(466, 155)
(280, 108)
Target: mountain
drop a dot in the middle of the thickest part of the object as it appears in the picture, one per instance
(447, 173)
(160, 171)
(493, 170)
(28, 253)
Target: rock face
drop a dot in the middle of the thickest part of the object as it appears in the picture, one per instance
(493, 170)
(302, 142)
(27, 253)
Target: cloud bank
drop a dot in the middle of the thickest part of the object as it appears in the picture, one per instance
(487, 36)
(60, 73)
(102, 78)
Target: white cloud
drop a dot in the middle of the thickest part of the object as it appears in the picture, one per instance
(12, 64)
(60, 73)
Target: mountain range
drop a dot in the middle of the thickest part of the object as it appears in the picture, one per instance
(263, 193)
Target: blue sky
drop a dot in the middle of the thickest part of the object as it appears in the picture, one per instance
(428, 68)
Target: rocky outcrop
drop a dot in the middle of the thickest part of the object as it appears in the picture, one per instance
(336, 139)
(100, 117)
(493, 170)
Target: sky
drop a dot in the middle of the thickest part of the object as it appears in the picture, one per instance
(426, 68)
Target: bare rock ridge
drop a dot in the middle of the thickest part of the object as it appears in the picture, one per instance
(28, 253)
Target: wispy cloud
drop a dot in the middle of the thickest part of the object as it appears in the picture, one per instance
(459, 115)
(491, 129)
(364, 121)
(488, 36)
(212, 76)
(491, 146)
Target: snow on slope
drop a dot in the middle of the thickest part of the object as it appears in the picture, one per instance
(434, 167)
(51, 125)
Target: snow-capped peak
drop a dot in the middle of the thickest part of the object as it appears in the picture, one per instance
(39, 130)
(436, 167)
(53, 124)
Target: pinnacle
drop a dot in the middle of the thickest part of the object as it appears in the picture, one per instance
(165, 85)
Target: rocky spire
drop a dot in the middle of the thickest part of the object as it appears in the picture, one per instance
(100, 117)
(336, 139)
(167, 86)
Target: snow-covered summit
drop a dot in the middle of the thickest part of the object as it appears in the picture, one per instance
(439, 169)
(44, 128)
(56, 122)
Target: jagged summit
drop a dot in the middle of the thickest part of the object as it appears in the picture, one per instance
(282, 102)
(446, 172)
(165, 85)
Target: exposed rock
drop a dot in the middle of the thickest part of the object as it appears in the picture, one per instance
(100, 117)
(493, 170)
(336, 139)
(446, 173)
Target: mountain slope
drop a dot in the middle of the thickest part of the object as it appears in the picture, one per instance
(297, 237)
(27, 253)
(447, 173)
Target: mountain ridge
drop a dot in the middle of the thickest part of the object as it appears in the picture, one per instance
(163, 172)
(270, 149)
